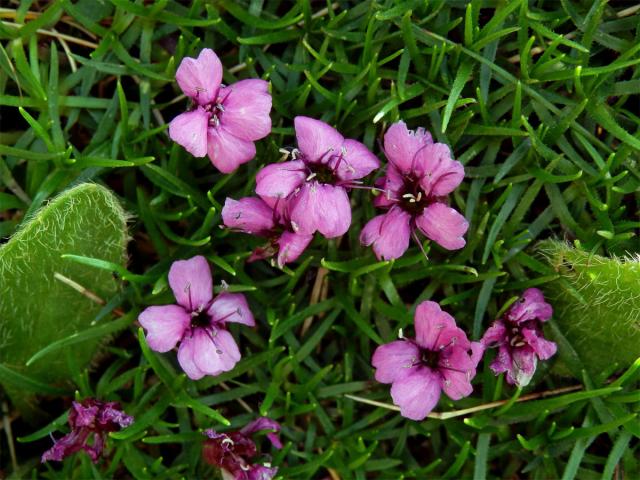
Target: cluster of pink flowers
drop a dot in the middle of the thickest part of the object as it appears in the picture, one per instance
(441, 358)
(294, 199)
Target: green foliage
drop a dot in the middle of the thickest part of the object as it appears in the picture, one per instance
(38, 308)
(597, 304)
(538, 100)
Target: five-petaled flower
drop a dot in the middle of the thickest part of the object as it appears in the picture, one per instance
(314, 184)
(90, 420)
(198, 321)
(441, 358)
(225, 120)
(254, 216)
(519, 338)
(419, 176)
(234, 452)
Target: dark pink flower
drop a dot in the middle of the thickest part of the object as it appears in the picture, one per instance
(235, 451)
(224, 121)
(419, 176)
(519, 338)
(198, 321)
(90, 420)
(441, 358)
(315, 182)
(254, 216)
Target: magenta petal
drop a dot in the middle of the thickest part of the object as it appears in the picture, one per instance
(544, 348)
(165, 326)
(444, 225)
(434, 327)
(250, 215)
(191, 283)
(417, 393)
(495, 334)
(440, 174)
(214, 351)
(316, 139)
(394, 360)
(477, 352)
(388, 233)
(503, 360)
(357, 161)
(291, 245)
(279, 180)
(185, 358)
(231, 307)
(199, 78)
(189, 129)
(226, 151)
(321, 207)
(524, 362)
(247, 104)
(402, 144)
(531, 305)
(392, 184)
(457, 369)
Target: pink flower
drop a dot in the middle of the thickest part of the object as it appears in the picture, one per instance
(224, 121)
(315, 182)
(419, 176)
(198, 321)
(234, 452)
(520, 339)
(441, 358)
(92, 420)
(254, 216)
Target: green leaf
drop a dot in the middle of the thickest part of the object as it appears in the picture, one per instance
(86, 220)
(603, 327)
(464, 72)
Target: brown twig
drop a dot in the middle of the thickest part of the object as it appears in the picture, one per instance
(477, 408)
(86, 292)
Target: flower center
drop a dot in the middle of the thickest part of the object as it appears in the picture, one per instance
(215, 110)
(200, 320)
(412, 199)
(321, 172)
(430, 358)
(516, 338)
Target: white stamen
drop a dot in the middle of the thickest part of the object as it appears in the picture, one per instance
(294, 226)
(400, 333)
(311, 177)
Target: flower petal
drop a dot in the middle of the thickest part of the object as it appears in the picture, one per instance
(388, 233)
(457, 369)
(544, 348)
(291, 245)
(444, 225)
(189, 129)
(417, 393)
(317, 140)
(279, 180)
(226, 151)
(246, 104)
(394, 360)
(392, 184)
(250, 215)
(434, 327)
(214, 352)
(199, 78)
(402, 144)
(531, 305)
(165, 325)
(357, 161)
(495, 335)
(231, 308)
(321, 207)
(523, 366)
(440, 174)
(191, 283)
(185, 358)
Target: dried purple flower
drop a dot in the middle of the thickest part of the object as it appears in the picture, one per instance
(90, 419)
(233, 452)
(519, 338)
